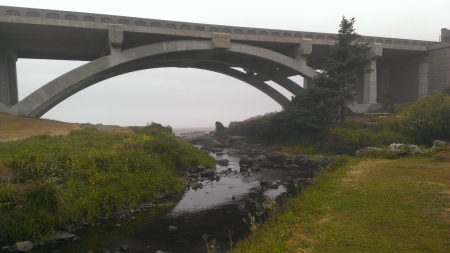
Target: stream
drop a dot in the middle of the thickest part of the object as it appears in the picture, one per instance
(217, 209)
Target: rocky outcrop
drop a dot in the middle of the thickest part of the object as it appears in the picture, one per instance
(220, 127)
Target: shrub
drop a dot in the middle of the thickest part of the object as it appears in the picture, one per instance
(346, 139)
(428, 119)
(388, 100)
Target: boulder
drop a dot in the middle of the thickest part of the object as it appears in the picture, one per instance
(60, 235)
(439, 143)
(414, 149)
(245, 159)
(272, 185)
(303, 181)
(172, 229)
(200, 168)
(263, 182)
(261, 158)
(215, 150)
(256, 167)
(193, 176)
(208, 173)
(25, 246)
(289, 180)
(366, 150)
(293, 166)
(396, 145)
(123, 248)
(223, 162)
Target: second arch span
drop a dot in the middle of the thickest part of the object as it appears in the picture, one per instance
(261, 65)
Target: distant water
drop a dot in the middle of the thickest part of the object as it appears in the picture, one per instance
(187, 130)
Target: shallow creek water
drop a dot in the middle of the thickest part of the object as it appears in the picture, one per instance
(210, 210)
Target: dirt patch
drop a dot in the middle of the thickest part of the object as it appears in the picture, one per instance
(6, 174)
(433, 183)
(444, 155)
(14, 127)
(364, 167)
(446, 215)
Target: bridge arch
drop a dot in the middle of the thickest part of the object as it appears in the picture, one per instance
(261, 64)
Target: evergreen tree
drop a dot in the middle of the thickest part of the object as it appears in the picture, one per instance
(336, 87)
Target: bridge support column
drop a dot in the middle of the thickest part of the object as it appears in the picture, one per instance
(115, 38)
(439, 63)
(301, 53)
(9, 94)
(370, 79)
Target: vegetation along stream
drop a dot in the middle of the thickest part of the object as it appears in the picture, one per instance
(179, 224)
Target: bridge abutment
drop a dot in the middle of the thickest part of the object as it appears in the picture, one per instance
(9, 94)
(439, 65)
(370, 79)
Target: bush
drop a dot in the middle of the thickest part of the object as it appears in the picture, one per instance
(346, 140)
(428, 120)
(388, 100)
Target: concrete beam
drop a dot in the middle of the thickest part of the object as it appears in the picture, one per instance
(221, 41)
(303, 49)
(115, 38)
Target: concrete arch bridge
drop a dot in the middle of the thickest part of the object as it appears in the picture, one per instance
(116, 45)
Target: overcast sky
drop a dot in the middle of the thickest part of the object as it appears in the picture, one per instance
(196, 98)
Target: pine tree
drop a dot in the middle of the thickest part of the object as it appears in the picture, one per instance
(336, 87)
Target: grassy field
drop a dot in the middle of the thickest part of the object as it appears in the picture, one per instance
(398, 205)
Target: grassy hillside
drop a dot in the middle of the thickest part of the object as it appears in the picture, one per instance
(14, 127)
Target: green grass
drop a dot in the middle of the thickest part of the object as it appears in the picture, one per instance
(400, 205)
(54, 182)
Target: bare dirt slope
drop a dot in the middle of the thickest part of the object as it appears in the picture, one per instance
(15, 127)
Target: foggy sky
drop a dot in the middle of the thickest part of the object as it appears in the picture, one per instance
(195, 98)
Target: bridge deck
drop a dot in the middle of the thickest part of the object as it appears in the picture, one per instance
(83, 36)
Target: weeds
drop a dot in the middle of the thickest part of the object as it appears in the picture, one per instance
(58, 181)
(230, 239)
(210, 246)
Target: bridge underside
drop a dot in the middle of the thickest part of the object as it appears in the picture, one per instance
(217, 55)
